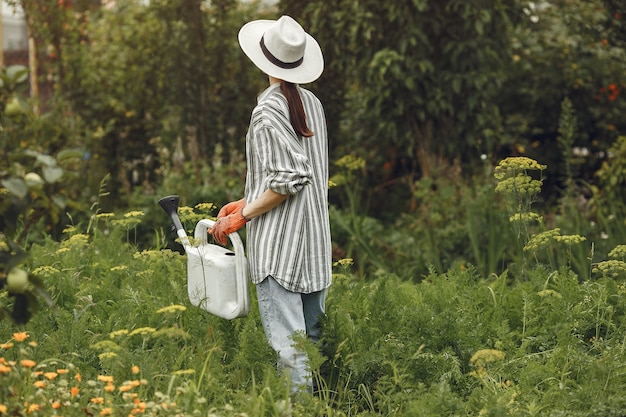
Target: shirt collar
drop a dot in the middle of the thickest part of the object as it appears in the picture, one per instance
(267, 92)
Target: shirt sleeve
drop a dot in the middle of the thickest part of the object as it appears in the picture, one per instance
(287, 171)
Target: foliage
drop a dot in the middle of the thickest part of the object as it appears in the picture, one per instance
(565, 50)
(123, 339)
(437, 78)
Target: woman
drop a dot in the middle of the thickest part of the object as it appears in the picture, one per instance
(286, 193)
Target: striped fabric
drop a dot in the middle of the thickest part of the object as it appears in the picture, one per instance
(292, 241)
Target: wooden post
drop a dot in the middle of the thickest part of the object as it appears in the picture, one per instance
(32, 64)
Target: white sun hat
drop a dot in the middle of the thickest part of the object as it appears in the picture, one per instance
(281, 48)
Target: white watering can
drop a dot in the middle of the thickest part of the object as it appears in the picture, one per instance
(217, 278)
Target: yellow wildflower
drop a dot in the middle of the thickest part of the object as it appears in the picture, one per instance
(172, 309)
(142, 331)
(484, 356)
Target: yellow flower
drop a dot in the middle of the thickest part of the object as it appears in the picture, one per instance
(205, 206)
(116, 333)
(344, 262)
(3, 408)
(134, 214)
(104, 215)
(107, 355)
(485, 356)
(142, 330)
(20, 336)
(119, 268)
(172, 309)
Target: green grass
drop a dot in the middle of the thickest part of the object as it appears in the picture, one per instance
(122, 339)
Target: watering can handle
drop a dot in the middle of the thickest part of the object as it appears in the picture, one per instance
(200, 235)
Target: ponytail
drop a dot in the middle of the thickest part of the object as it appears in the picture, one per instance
(296, 109)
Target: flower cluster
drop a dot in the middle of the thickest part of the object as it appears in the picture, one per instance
(130, 220)
(570, 239)
(618, 252)
(514, 165)
(529, 217)
(485, 356)
(612, 268)
(520, 184)
(542, 240)
(351, 162)
(55, 388)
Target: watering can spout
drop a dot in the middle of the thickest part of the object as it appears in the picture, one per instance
(170, 205)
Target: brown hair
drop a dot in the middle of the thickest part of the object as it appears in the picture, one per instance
(296, 109)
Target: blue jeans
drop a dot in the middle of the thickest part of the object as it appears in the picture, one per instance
(284, 313)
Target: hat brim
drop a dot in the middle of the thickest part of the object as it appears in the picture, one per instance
(312, 65)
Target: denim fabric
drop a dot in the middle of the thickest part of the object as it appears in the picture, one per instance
(284, 313)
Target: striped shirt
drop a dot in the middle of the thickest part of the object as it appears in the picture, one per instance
(291, 242)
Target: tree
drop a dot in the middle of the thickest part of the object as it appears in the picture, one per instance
(419, 78)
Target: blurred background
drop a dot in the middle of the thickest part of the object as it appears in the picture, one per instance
(107, 106)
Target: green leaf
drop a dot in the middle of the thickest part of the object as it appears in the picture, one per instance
(52, 173)
(48, 160)
(16, 186)
(69, 153)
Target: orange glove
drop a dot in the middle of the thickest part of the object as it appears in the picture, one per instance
(227, 225)
(231, 207)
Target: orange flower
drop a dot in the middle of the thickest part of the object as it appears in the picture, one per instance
(20, 336)
(62, 371)
(40, 384)
(56, 405)
(125, 388)
(5, 369)
(50, 375)
(109, 387)
(74, 391)
(3, 408)
(32, 408)
(105, 378)
(97, 400)
(106, 411)
(6, 346)
(78, 377)
(27, 363)
(135, 369)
